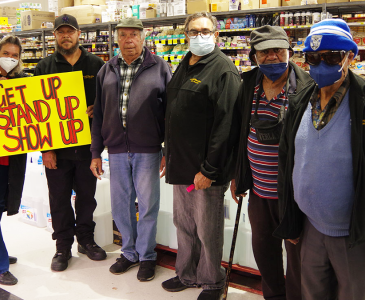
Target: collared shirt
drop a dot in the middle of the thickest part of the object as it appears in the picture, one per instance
(127, 73)
(264, 158)
(320, 118)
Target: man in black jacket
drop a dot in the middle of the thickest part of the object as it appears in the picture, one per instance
(322, 168)
(263, 100)
(199, 141)
(69, 168)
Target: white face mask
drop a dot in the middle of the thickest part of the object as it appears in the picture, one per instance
(200, 46)
(8, 63)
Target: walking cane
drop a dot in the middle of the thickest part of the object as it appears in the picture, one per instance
(234, 238)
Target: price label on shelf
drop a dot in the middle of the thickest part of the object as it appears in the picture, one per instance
(166, 57)
(93, 46)
(182, 41)
(169, 41)
(174, 41)
(163, 42)
(157, 42)
(237, 62)
(179, 57)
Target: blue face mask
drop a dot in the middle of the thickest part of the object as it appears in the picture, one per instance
(273, 71)
(200, 46)
(324, 74)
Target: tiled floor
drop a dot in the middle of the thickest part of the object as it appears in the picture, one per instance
(84, 279)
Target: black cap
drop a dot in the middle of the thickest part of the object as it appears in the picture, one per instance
(67, 20)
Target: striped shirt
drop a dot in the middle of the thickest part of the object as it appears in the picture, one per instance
(127, 73)
(264, 158)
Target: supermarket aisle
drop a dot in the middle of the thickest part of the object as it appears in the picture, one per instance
(84, 279)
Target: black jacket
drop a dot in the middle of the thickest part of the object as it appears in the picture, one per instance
(243, 175)
(292, 217)
(90, 65)
(200, 135)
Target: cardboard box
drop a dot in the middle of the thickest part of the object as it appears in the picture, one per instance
(89, 2)
(32, 19)
(151, 13)
(250, 4)
(270, 3)
(290, 2)
(194, 6)
(219, 5)
(7, 11)
(56, 6)
(336, 1)
(85, 14)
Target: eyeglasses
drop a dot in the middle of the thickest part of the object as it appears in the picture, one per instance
(330, 58)
(205, 34)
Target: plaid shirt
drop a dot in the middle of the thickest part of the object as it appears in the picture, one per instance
(127, 73)
(321, 117)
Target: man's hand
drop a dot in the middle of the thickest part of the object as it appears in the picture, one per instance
(90, 111)
(96, 168)
(295, 241)
(201, 182)
(50, 159)
(163, 167)
(233, 192)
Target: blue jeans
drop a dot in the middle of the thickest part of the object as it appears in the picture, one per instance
(199, 219)
(136, 175)
(4, 256)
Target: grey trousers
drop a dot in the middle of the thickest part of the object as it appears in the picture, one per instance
(330, 269)
(199, 219)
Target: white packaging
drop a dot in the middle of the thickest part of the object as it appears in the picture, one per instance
(102, 196)
(233, 5)
(103, 233)
(31, 211)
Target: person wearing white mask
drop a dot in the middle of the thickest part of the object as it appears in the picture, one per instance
(263, 100)
(200, 136)
(12, 168)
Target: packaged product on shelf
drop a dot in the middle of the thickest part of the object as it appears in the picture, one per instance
(290, 2)
(219, 5)
(250, 4)
(270, 3)
(85, 14)
(233, 5)
(8, 11)
(179, 7)
(33, 19)
(194, 6)
(57, 5)
(89, 2)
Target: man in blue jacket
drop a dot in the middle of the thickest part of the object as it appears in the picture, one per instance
(129, 115)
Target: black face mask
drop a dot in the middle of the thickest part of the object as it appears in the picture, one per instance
(268, 132)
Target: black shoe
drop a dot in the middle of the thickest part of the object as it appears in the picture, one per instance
(174, 285)
(146, 270)
(7, 278)
(60, 260)
(93, 251)
(210, 294)
(122, 265)
(12, 260)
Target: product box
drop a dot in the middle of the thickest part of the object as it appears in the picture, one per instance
(7, 11)
(290, 2)
(219, 5)
(270, 3)
(336, 1)
(151, 13)
(32, 19)
(179, 8)
(194, 6)
(250, 4)
(57, 5)
(85, 14)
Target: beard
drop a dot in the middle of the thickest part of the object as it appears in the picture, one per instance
(66, 52)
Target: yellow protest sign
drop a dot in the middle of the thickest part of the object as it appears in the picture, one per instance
(42, 113)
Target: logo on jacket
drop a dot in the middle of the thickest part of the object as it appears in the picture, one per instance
(89, 76)
(194, 80)
(363, 122)
(316, 41)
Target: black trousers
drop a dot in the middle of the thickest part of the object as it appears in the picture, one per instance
(72, 174)
(264, 218)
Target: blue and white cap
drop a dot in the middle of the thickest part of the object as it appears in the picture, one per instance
(330, 34)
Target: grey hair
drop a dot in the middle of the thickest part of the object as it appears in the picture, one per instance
(200, 15)
(14, 40)
(142, 32)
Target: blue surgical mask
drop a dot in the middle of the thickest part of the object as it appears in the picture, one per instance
(325, 75)
(200, 46)
(273, 71)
